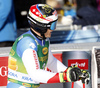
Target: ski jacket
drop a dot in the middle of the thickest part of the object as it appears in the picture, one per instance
(28, 60)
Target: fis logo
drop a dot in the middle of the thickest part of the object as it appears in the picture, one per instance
(81, 63)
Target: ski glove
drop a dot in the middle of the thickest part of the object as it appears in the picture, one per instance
(71, 74)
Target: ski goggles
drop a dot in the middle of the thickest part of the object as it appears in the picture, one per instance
(53, 25)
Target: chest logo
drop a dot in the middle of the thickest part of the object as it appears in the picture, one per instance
(45, 50)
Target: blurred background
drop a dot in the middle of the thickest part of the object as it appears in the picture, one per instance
(78, 20)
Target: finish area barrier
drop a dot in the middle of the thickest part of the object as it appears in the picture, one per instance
(64, 53)
(4, 64)
(4, 68)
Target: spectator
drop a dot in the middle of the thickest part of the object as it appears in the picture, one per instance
(84, 3)
(8, 31)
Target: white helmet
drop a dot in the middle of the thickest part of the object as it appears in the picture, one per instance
(42, 17)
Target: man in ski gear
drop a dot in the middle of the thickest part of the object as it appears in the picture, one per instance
(30, 55)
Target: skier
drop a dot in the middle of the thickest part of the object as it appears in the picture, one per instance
(30, 55)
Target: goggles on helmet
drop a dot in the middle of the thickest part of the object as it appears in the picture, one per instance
(53, 25)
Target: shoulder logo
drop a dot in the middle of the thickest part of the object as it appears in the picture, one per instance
(32, 45)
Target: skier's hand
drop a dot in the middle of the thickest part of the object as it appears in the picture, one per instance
(73, 73)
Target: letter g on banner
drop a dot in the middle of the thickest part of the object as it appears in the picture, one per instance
(3, 71)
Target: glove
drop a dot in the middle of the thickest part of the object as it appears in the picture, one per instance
(71, 74)
(85, 77)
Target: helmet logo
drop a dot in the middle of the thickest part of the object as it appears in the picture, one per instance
(55, 13)
(47, 8)
(44, 16)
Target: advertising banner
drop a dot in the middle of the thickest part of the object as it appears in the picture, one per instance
(3, 70)
(80, 58)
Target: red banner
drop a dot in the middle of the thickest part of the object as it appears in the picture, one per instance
(58, 56)
(3, 70)
(81, 63)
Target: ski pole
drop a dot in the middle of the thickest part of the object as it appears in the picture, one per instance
(83, 85)
(72, 85)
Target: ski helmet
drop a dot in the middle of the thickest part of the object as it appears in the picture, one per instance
(42, 17)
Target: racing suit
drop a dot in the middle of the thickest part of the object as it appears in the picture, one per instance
(28, 59)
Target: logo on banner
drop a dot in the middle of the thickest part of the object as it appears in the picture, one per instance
(3, 71)
(81, 63)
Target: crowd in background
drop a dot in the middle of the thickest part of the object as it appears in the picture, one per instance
(13, 15)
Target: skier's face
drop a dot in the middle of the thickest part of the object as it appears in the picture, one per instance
(48, 33)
